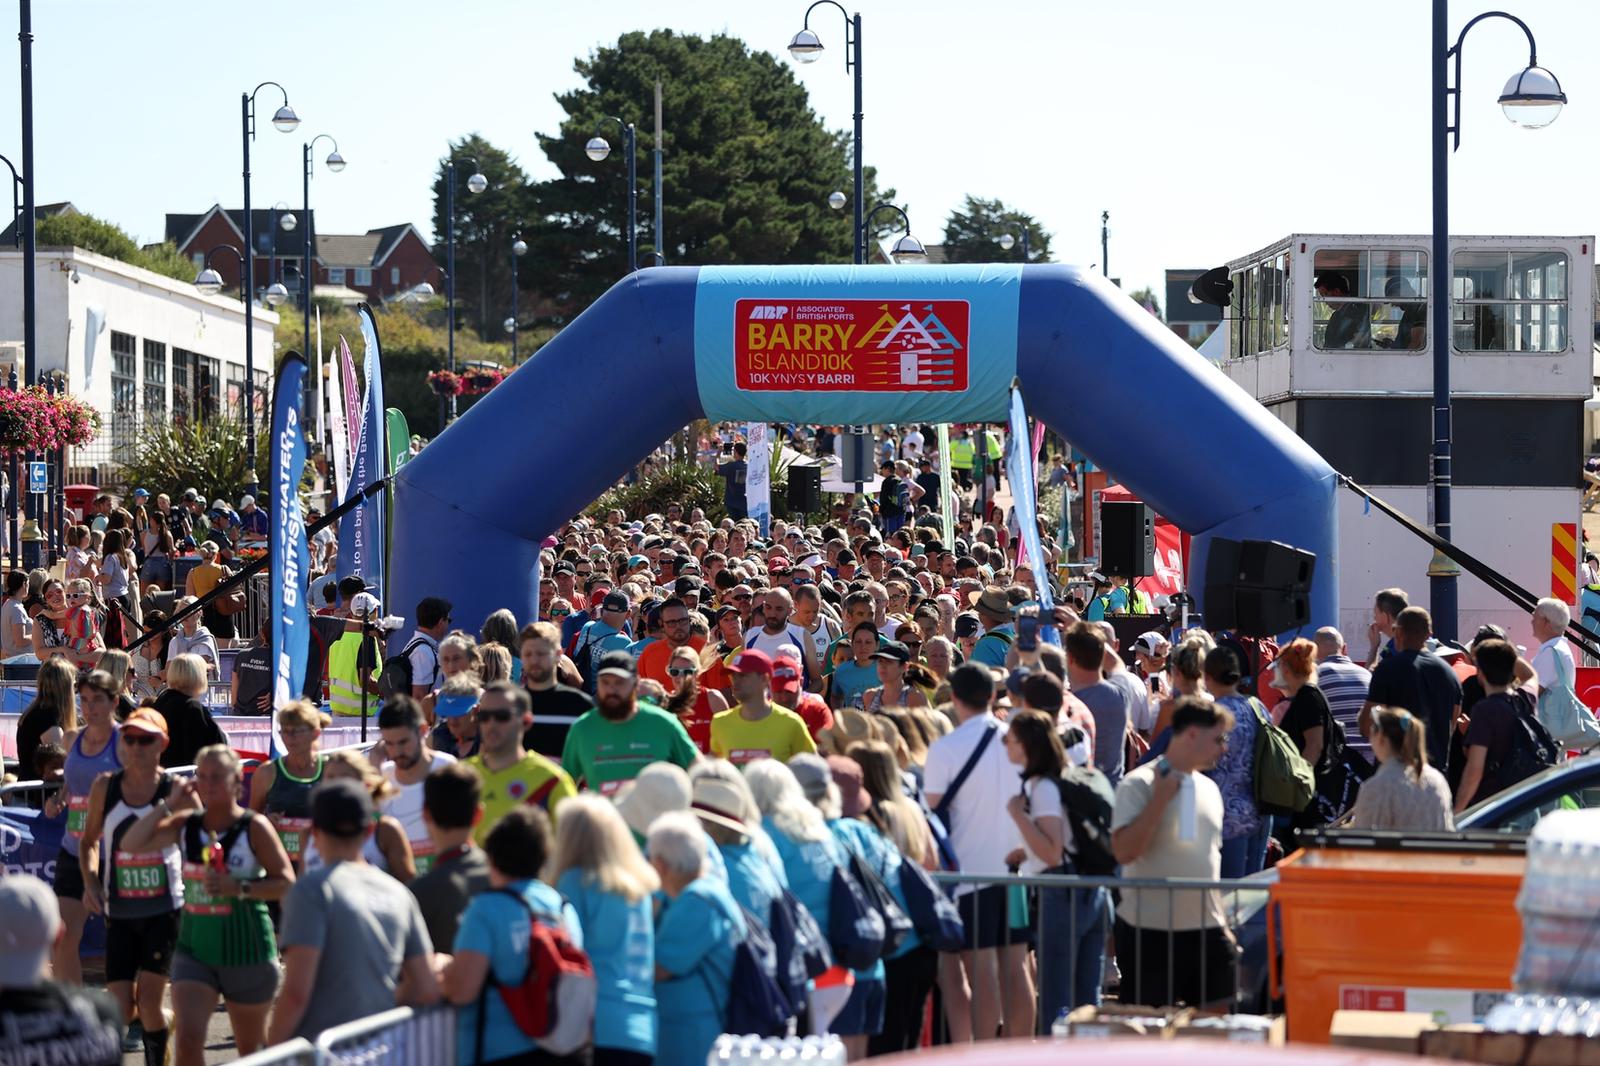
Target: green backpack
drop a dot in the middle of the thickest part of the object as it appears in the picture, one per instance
(1284, 781)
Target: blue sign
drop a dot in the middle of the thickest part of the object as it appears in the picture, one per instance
(38, 478)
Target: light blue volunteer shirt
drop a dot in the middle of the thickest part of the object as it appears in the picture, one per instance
(695, 938)
(620, 939)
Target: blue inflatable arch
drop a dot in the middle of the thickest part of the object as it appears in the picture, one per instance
(826, 345)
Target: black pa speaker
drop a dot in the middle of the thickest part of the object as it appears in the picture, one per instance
(1127, 538)
(1258, 588)
(805, 489)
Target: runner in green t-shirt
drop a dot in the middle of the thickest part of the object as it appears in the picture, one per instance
(621, 736)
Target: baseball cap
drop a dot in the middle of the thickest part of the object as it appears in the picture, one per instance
(619, 663)
(565, 568)
(1152, 644)
(685, 585)
(894, 651)
(615, 601)
(454, 705)
(342, 808)
(141, 493)
(967, 624)
(752, 661)
(636, 561)
(219, 504)
(191, 494)
(146, 720)
(785, 675)
(364, 605)
(247, 501)
(724, 611)
(30, 928)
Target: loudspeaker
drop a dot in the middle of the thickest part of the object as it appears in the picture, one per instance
(1127, 538)
(805, 489)
(855, 456)
(1258, 588)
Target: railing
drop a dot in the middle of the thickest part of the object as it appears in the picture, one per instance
(403, 1036)
(1199, 942)
(298, 1050)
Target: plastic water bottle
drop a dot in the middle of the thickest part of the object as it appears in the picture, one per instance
(1060, 1029)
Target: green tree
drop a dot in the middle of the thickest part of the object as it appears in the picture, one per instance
(972, 234)
(1147, 298)
(486, 224)
(747, 169)
(78, 230)
(208, 455)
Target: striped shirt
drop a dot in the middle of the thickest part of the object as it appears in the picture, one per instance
(1345, 685)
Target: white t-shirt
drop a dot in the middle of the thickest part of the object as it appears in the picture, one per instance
(1544, 663)
(424, 660)
(1141, 710)
(1187, 843)
(761, 640)
(13, 613)
(1044, 801)
(406, 808)
(981, 830)
(911, 446)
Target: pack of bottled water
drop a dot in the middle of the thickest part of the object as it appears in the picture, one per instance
(1560, 907)
(750, 1050)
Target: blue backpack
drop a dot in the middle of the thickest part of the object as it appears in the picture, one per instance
(757, 1002)
(855, 927)
(802, 951)
(933, 914)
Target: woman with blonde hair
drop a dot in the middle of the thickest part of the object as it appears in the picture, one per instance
(600, 871)
(281, 789)
(894, 813)
(189, 722)
(119, 664)
(1405, 792)
(1186, 673)
(387, 847)
(51, 716)
(494, 663)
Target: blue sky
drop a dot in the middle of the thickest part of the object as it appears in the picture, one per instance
(1207, 130)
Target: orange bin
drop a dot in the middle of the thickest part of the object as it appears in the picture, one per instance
(1391, 930)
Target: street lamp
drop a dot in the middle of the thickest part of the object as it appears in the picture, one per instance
(209, 282)
(806, 47)
(476, 183)
(284, 120)
(308, 279)
(597, 149)
(1105, 244)
(836, 200)
(907, 249)
(1008, 242)
(1532, 99)
(519, 248)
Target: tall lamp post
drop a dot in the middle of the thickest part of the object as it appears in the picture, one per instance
(907, 249)
(284, 120)
(519, 248)
(1105, 243)
(1008, 242)
(209, 283)
(806, 47)
(597, 149)
(282, 219)
(1532, 99)
(308, 281)
(476, 183)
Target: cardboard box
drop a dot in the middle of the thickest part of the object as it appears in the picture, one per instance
(1103, 1022)
(1268, 1031)
(1469, 1043)
(1379, 1030)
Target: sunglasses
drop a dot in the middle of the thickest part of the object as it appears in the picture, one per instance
(559, 614)
(502, 715)
(744, 596)
(675, 621)
(138, 740)
(686, 671)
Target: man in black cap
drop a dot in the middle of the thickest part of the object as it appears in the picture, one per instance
(608, 746)
(931, 482)
(605, 634)
(349, 930)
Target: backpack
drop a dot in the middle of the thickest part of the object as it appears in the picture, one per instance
(1532, 749)
(1569, 722)
(933, 914)
(1284, 783)
(1087, 800)
(554, 1002)
(802, 951)
(757, 1002)
(855, 927)
(395, 677)
(896, 923)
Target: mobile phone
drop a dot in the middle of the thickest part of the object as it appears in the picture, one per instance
(1028, 633)
(1163, 767)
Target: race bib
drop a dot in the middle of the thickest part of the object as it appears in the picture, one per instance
(740, 756)
(423, 852)
(196, 900)
(77, 815)
(609, 788)
(140, 876)
(294, 832)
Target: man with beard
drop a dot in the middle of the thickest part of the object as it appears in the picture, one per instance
(691, 702)
(608, 746)
(555, 706)
(511, 777)
(777, 632)
(675, 633)
(402, 726)
(757, 728)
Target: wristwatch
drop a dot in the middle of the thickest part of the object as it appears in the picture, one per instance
(244, 889)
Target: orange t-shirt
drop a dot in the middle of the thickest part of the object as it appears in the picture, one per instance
(653, 660)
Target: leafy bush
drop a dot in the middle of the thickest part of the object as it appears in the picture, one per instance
(79, 230)
(687, 483)
(209, 456)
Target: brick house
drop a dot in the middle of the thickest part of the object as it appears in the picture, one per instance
(378, 264)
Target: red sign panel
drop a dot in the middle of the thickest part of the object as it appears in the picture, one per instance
(851, 345)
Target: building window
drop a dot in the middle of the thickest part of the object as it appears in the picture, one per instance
(394, 275)
(336, 275)
(124, 393)
(363, 277)
(207, 387)
(262, 392)
(1510, 301)
(1260, 310)
(199, 260)
(1369, 299)
(182, 397)
(155, 381)
(235, 393)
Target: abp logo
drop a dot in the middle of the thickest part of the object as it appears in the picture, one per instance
(769, 312)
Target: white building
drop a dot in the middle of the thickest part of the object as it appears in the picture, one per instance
(141, 347)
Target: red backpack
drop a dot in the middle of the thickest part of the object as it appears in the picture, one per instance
(554, 1002)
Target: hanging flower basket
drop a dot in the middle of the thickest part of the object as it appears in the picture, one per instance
(34, 420)
(480, 380)
(444, 383)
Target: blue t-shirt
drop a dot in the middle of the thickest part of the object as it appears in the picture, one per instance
(497, 928)
(850, 681)
(755, 877)
(594, 640)
(695, 937)
(640, 645)
(620, 939)
(810, 867)
(991, 650)
(572, 625)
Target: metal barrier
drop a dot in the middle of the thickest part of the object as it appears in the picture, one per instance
(299, 1050)
(1175, 940)
(403, 1036)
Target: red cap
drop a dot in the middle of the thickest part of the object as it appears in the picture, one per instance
(752, 661)
(786, 675)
